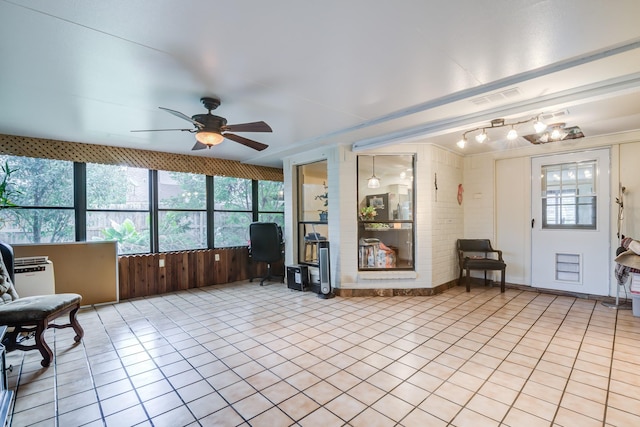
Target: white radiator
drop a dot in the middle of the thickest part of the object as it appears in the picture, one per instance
(34, 276)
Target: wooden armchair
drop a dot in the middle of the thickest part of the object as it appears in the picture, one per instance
(473, 254)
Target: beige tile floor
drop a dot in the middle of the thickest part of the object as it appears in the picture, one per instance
(245, 355)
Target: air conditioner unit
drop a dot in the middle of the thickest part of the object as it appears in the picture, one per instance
(34, 276)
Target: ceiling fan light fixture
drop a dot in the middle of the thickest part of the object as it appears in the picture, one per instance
(513, 134)
(462, 143)
(209, 138)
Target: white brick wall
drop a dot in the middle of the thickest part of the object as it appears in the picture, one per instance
(448, 216)
(438, 224)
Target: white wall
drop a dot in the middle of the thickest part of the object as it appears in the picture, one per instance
(513, 216)
(630, 179)
(437, 223)
(505, 215)
(447, 221)
(496, 205)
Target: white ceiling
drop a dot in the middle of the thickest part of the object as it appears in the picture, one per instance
(319, 72)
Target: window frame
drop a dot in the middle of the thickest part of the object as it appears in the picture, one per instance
(81, 210)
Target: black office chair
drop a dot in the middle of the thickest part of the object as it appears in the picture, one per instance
(267, 246)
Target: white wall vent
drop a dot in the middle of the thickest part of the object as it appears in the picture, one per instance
(496, 97)
(569, 268)
(555, 116)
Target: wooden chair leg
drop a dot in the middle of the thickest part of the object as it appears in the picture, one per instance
(41, 344)
(73, 320)
(502, 281)
(468, 280)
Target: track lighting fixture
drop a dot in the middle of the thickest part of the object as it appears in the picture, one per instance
(482, 136)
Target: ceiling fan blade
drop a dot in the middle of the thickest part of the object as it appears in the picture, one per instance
(199, 146)
(161, 130)
(249, 127)
(182, 116)
(247, 142)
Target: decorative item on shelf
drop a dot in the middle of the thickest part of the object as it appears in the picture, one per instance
(368, 213)
(324, 213)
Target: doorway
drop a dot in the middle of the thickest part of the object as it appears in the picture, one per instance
(570, 227)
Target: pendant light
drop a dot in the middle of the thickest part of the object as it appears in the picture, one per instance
(374, 181)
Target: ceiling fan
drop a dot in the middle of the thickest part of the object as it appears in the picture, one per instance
(211, 130)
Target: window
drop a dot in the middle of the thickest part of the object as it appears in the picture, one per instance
(313, 204)
(271, 202)
(43, 190)
(143, 210)
(118, 206)
(385, 212)
(569, 195)
(233, 202)
(182, 211)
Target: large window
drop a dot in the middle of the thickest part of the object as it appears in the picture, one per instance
(43, 190)
(118, 206)
(182, 211)
(144, 211)
(385, 212)
(233, 211)
(271, 202)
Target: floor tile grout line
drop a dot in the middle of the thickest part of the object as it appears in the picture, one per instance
(611, 358)
(441, 352)
(540, 358)
(474, 393)
(173, 388)
(403, 322)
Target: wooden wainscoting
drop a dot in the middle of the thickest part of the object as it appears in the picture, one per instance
(141, 275)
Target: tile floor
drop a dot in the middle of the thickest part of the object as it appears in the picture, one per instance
(245, 355)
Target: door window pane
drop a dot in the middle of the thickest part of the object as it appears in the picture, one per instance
(569, 195)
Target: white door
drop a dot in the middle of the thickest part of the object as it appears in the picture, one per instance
(570, 222)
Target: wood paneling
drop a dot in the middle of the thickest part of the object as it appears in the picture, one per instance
(141, 275)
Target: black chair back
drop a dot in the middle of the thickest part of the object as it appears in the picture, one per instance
(7, 256)
(266, 241)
